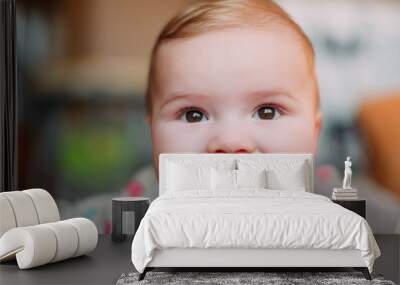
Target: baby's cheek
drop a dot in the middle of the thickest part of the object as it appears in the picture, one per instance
(288, 135)
(178, 137)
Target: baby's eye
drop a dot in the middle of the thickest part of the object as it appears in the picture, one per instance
(193, 116)
(267, 113)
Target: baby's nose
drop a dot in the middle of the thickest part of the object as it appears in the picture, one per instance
(231, 141)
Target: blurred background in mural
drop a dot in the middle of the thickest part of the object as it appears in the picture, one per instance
(82, 76)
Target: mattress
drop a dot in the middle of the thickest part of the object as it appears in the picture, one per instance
(251, 218)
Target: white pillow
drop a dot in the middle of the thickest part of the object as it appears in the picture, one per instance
(282, 174)
(287, 179)
(223, 179)
(251, 178)
(181, 178)
(226, 179)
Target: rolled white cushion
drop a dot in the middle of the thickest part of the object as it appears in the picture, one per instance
(40, 244)
(67, 239)
(23, 208)
(7, 218)
(33, 245)
(87, 235)
(45, 205)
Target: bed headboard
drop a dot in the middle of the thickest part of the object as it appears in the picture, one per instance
(164, 158)
(193, 157)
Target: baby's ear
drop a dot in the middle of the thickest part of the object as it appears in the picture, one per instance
(147, 119)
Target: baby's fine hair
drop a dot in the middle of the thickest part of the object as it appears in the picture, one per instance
(209, 16)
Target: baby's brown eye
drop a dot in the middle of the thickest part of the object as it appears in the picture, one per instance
(267, 113)
(193, 116)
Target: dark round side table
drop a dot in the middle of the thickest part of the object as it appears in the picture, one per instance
(127, 212)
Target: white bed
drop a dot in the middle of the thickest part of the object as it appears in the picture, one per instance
(250, 226)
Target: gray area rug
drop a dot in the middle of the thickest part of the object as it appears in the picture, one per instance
(228, 278)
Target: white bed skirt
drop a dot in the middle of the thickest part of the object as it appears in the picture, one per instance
(236, 257)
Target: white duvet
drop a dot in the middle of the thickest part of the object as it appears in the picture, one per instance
(250, 218)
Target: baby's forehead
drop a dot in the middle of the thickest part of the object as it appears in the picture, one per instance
(233, 60)
(277, 40)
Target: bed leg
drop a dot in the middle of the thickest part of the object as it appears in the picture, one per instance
(143, 274)
(364, 271)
